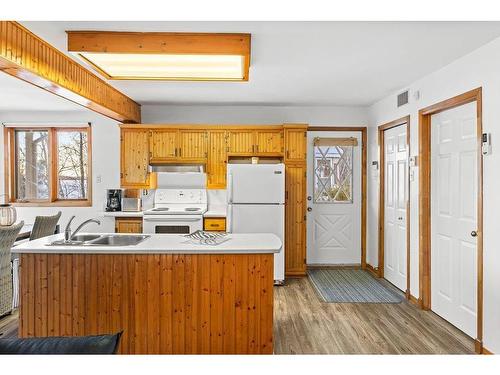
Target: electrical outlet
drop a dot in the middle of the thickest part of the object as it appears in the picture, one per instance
(98, 179)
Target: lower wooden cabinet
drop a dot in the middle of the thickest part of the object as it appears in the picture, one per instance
(128, 225)
(215, 224)
(295, 220)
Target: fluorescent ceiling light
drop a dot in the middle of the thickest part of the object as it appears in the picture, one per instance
(168, 66)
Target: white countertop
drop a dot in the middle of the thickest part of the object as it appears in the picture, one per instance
(121, 213)
(241, 243)
(216, 211)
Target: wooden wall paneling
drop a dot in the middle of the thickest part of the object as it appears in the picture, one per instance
(134, 160)
(26, 56)
(163, 145)
(193, 144)
(217, 159)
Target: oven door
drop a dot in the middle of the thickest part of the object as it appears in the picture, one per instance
(172, 224)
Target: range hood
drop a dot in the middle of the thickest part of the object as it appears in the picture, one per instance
(180, 176)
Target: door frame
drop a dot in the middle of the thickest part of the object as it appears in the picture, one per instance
(424, 136)
(364, 158)
(381, 217)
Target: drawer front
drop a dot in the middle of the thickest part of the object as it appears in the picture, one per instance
(215, 224)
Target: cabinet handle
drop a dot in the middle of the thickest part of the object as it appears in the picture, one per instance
(257, 148)
(180, 152)
(288, 154)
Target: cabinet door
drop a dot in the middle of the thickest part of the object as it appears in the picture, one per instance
(217, 160)
(295, 224)
(128, 225)
(242, 142)
(163, 145)
(193, 144)
(269, 142)
(295, 145)
(134, 151)
(215, 224)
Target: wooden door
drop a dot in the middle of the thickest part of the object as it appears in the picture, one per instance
(163, 145)
(395, 203)
(242, 142)
(193, 144)
(295, 215)
(269, 142)
(296, 144)
(217, 160)
(134, 152)
(454, 220)
(128, 225)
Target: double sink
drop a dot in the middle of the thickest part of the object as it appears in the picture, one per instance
(101, 240)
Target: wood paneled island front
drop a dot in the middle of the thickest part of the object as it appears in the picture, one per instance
(168, 297)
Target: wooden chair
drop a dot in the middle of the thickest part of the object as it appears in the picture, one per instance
(8, 236)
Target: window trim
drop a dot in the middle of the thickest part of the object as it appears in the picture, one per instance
(53, 200)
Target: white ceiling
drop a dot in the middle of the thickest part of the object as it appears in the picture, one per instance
(305, 63)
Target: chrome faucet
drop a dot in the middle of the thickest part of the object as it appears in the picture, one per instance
(68, 235)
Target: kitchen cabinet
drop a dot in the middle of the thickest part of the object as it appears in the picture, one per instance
(269, 142)
(193, 144)
(217, 159)
(295, 144)
(163, 145)
(242, 142)
(128, 225)
(215, 224)
(295, 219)
(134, 158)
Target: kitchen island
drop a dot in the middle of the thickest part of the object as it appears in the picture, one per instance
(167, 295)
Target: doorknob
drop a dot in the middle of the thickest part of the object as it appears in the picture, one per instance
(473, 233)
(309, 209)
(309, 198)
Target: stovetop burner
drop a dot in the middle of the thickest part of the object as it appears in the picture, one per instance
(160, 209)
(191, 209)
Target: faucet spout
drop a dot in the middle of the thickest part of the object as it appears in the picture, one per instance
(68, 235)
(67, 230)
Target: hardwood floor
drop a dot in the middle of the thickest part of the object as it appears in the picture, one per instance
(306, 325)
(303, 324)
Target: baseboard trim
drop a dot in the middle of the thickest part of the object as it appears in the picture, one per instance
(486, 351)
(293, 274)
(372, 270)
(414, 300)
(478, 346)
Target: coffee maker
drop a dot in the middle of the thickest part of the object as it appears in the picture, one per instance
(113, 200)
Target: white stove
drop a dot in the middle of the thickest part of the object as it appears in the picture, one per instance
(178, 211)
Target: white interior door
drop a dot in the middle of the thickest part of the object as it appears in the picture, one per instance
(395, 205)
(334, 200)
(454, 192)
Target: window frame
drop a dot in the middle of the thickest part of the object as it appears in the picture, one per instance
(53, 200)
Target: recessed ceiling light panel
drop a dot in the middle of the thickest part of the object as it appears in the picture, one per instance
(164, 56)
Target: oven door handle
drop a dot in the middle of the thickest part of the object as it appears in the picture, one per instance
(171, 219)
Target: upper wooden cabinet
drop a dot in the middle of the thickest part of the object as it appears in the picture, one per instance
(163, 145)
(295, 143)
(269, 142)
(193, 144)
(242, 142)
(134, 158)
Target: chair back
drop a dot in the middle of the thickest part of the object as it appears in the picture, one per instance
(8, 236)
(44, 226)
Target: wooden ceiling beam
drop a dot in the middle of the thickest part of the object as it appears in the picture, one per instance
(26, 56)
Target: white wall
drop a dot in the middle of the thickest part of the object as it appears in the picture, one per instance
(105, 163)
(478, 69)
(328, 116)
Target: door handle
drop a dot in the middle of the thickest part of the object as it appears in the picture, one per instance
(473, 233)
(309, 209)
(309, 198)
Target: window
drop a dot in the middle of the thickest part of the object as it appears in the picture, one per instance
(50, 166)
(333, 170)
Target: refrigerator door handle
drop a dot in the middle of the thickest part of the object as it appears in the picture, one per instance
(229, 219)
(230, 187)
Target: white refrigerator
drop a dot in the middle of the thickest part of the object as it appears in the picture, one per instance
(256, 204)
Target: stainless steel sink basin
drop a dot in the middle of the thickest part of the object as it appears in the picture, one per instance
(102, 240)
(85, 237)
(114, 240)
